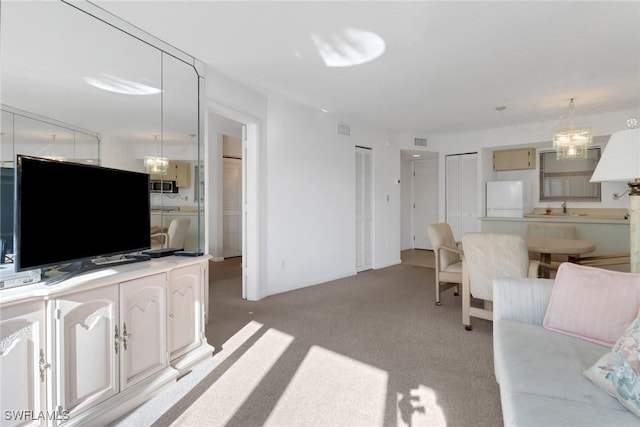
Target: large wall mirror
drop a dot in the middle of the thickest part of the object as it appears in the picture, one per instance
(100, 91)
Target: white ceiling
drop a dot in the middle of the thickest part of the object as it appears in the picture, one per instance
(446, 65)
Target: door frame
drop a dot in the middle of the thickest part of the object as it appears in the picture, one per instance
(251, 188)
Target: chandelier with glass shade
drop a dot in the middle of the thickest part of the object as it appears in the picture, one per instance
(156, 165)
(572, 142)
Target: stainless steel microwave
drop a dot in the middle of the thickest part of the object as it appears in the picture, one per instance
(163, 187)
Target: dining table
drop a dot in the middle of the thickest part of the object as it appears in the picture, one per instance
(545, 246)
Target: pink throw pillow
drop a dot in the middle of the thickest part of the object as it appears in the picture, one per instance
(592, 303)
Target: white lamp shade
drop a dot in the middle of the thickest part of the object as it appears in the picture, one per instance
(620, 160)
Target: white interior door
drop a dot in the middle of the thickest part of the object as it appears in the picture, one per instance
(425, 201)
(461, 198)
(364, 204)
(232, 207)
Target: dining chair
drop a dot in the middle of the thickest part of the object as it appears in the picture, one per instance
(448, 258)
(174, 237)
(488, 256)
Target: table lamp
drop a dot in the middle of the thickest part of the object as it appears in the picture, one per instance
(620, 162)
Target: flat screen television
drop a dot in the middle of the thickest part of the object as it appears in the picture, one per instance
(74, 213)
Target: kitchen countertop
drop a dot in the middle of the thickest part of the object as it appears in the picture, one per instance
(182, 210)
(575, 215)
(560, 218)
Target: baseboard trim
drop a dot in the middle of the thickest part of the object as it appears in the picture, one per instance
(389, 264)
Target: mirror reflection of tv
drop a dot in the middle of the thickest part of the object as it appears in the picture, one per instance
(74, 213)
(6, 212)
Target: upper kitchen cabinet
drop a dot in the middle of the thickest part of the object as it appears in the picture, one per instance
(514, 159)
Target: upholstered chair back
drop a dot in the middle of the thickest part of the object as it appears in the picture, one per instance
(491, 255)
(440, 234)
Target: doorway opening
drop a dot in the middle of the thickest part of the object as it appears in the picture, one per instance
(231, 215)
(419, 197)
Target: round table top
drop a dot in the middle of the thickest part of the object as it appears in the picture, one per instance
(560, 246)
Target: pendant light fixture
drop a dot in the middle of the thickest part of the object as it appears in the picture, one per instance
(572, 142)
(156, 165)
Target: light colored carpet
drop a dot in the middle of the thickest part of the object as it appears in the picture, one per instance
(368, 350)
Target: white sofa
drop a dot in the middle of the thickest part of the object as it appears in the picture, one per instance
(540, 371)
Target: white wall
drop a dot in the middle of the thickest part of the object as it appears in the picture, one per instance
(310, 198)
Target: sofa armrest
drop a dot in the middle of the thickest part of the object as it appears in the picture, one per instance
(521, 299)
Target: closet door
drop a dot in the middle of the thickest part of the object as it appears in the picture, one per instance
(425, 201)
(232, 207)
(461, 193)
(364, 204)
(469, 193)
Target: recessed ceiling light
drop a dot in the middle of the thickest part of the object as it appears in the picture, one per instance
(415, 155)
(324, 110)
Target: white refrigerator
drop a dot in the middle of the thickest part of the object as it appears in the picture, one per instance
(507, 199)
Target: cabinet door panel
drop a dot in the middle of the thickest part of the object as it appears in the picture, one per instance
(21, 340)
(183, 174)
(87, 368)
(143, 328)
(514, 159)
(185, 310)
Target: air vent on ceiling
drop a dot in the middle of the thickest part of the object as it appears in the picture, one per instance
(420, 142)
(344, 129)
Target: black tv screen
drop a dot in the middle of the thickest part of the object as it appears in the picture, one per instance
(67, 212)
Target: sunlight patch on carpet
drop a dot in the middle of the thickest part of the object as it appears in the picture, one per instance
(220, 402)
(420, 409)
(330, 389)
(234, 343)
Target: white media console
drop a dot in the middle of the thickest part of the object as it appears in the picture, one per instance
(91, 348)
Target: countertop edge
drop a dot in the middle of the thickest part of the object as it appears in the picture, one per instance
(561, 220)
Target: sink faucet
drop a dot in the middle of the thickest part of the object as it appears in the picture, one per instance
(564, 207)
